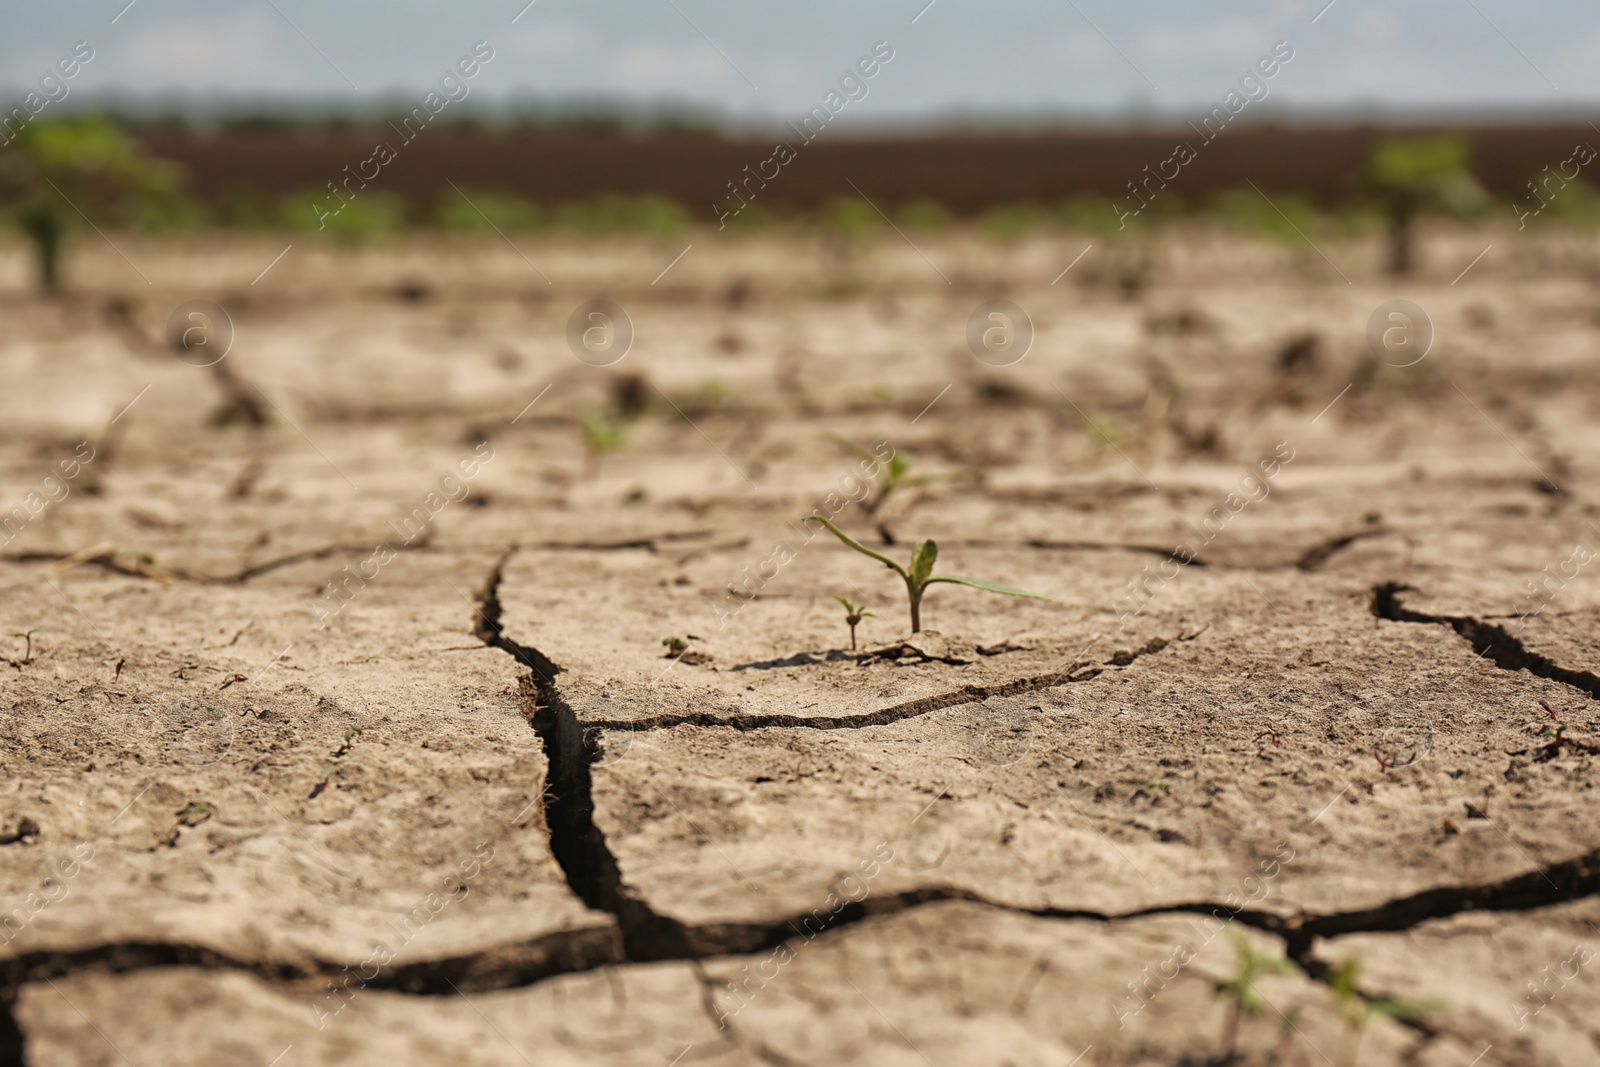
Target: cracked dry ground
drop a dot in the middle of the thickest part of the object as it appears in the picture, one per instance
(478, 819)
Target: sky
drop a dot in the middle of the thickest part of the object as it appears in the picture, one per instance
(767, 61)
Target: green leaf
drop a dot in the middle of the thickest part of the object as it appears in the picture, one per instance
(990, 587)
(896, 469)
(922, 559)
(857, 545)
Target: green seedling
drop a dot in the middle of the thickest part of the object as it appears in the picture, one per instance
(896, 473)
(602, 435)
(350, 733)
(853, 614)
(1358, 1010)
(194, 814)
(26, 635)
(1160, 783)
(1244, 999)
(675, 646)
(920, 574)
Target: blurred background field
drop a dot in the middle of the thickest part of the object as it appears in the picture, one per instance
(591, 178)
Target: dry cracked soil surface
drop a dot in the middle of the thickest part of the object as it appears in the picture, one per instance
(346, 733)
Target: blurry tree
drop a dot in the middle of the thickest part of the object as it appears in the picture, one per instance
(54, 169)
(1412, 175)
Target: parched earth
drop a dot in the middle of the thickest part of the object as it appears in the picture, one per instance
(347, 734)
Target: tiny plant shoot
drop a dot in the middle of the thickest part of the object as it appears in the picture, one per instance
(1244, 999)
(897, 473)
(1358, 1009)
(853, 614)
(26, 635)
(601, 436)
(920, 575)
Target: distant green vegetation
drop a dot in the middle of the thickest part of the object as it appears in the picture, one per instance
(1411, 176)
(97, 166)
(478, 211)
(622, 214)
(54, 174)
(374, 214)
(370, 214)
(1286, 218)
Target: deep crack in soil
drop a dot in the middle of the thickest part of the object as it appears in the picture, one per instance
(910, 709)
(593, 873)
(576, 842)
(1506, 651)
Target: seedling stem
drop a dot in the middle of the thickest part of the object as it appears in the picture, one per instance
(920, 574)
(26, 635)
(853, 614)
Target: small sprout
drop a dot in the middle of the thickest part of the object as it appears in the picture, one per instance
(27, 636)
(920, 574)
(121, 663)
(1273, 734)
(896, 472)
(853, 614)
(1160, 783)
(678, 649)
(327, 774)
(234, 680)
(349, 736)
(1553, 731)
(1358, 1009)
(194, 814)
(602, 435)
(1244, 999)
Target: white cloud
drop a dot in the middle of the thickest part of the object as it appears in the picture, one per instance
(247, 51)
(652, 65)
(1367, 73)
(1200, 45)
